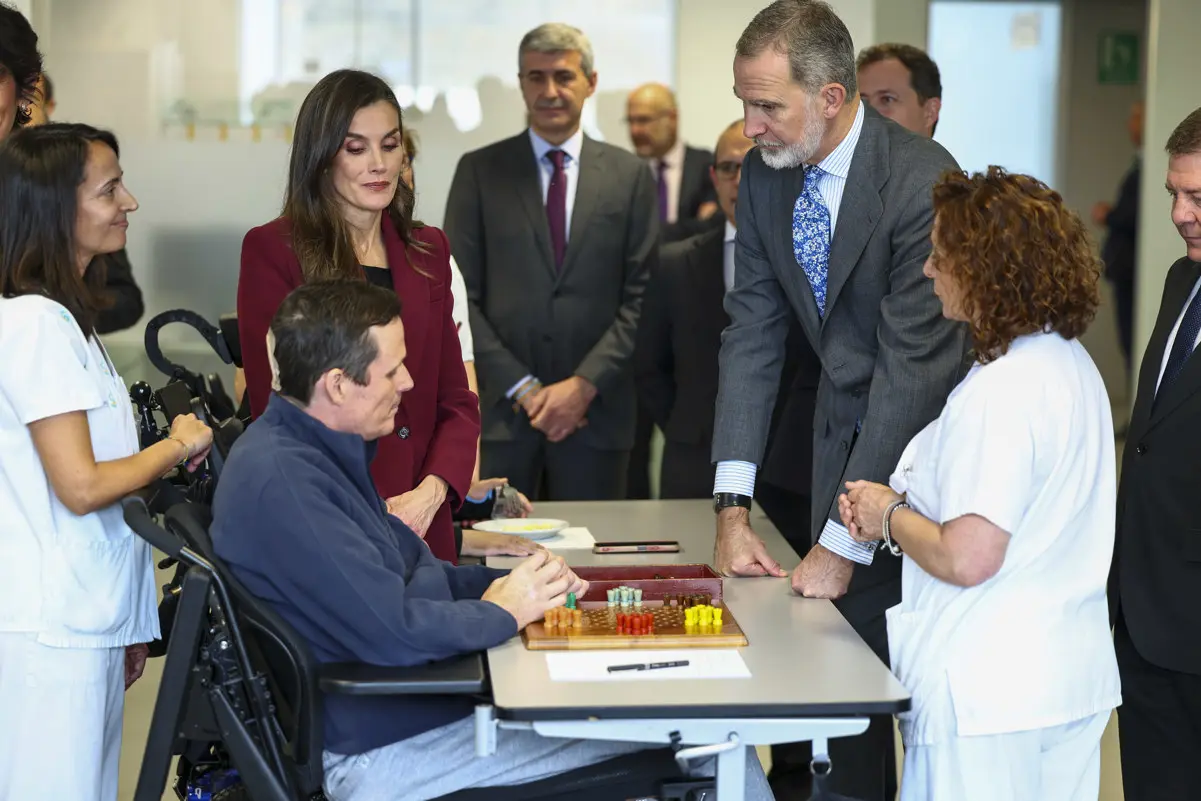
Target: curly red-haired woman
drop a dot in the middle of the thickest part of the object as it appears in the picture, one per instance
(1003, 509)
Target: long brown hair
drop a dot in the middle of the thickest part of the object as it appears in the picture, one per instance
(320, 235)
(41, 169)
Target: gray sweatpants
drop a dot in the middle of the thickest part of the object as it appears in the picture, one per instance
(443, 761)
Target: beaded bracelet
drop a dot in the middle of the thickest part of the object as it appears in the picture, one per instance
(886, 526)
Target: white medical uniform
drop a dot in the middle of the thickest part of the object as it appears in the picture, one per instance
(74, 590)
(458, 311)
(1014, 679)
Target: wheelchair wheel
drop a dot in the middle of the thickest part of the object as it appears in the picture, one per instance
(236, 793)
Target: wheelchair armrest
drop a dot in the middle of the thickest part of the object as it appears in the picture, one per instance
(461, 675)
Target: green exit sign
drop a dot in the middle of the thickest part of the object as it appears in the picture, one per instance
(1117, 58)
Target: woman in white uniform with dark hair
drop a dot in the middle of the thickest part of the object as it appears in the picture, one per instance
(1003, 509)
(77, 593)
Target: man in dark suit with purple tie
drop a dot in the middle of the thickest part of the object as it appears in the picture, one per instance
(556, 236)
(1155, 581)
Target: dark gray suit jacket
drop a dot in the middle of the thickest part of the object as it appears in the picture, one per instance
(526, 318)
(889, 358)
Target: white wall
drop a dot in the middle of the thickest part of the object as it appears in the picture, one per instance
(1172, 93)
(118, 64)
(706, 35)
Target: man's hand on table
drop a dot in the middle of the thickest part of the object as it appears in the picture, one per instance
(739, 551)
(488, 543)
(822, 574)
(539, 583)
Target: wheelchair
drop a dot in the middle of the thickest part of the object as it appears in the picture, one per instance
(240, 702)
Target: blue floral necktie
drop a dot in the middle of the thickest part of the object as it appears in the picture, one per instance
(811, 236)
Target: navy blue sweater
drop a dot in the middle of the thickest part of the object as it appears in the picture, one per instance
(297, 519)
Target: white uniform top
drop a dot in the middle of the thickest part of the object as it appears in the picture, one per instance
(458, 311)
(75, 581)
(1026, 442)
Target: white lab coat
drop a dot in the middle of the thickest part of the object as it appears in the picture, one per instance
(1025, 441)
(74, 590)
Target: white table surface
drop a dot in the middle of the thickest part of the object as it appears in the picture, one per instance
(804, 658)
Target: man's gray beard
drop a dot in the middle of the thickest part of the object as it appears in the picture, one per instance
(789, 157)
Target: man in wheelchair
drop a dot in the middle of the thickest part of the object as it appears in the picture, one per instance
(298, 521)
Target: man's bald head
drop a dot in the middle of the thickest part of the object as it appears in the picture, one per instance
(653, 120)
(732, 147)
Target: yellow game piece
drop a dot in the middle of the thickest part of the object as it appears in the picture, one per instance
(717, 617)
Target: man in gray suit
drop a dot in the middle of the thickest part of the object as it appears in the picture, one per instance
(555, 234)
(834, 220)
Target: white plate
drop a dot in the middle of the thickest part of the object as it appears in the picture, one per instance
(532, 528)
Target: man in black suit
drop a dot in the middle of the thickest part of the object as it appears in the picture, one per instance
(686, 207)
(1120, 250)
(676, 366)
(679, 336)
(556, 235)
(1155, 583)
(686, 199)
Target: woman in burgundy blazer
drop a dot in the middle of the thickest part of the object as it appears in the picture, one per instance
(342, 158)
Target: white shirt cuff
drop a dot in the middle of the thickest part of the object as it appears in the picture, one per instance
(736, 477)
(513, 389)
(837, 539)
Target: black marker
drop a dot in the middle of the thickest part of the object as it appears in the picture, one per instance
(651, 666)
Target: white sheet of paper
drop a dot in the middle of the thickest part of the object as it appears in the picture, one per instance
(571, 538)
(703, 663)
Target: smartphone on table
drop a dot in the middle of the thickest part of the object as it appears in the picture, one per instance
(645, 546)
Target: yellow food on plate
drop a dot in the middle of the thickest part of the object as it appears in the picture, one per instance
(518, 527)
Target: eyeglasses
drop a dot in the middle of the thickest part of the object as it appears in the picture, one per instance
(643, 119)
(728, 169)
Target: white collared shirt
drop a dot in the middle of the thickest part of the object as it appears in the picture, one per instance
(673, 176)
(738, 476)
(571, 167)
(727, 264)
(73, 581)
(1167, 351)
(836, 167)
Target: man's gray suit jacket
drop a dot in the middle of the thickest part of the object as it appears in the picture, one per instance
(889, 358)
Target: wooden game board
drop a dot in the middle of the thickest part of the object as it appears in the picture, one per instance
(599, 629)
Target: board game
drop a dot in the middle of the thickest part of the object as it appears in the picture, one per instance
(656, 606)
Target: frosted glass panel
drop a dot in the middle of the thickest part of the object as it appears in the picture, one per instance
(1000, 77)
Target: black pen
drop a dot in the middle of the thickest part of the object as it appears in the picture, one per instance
(651, 666)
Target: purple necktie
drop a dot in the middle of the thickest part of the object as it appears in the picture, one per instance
(556, 207)
(662, 190)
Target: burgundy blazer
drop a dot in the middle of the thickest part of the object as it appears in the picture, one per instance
(438, 422)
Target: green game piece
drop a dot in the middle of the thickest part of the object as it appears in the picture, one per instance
(571, 600)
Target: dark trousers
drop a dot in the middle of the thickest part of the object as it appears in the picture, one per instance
(1159, 726)
(564, 471)
(864, 767)
(686, 471)
(1123, 301)
(639, 483)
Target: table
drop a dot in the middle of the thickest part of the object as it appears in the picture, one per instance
(813, 678)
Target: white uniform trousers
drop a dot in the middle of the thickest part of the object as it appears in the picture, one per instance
(61, 711)
(1061, 763)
